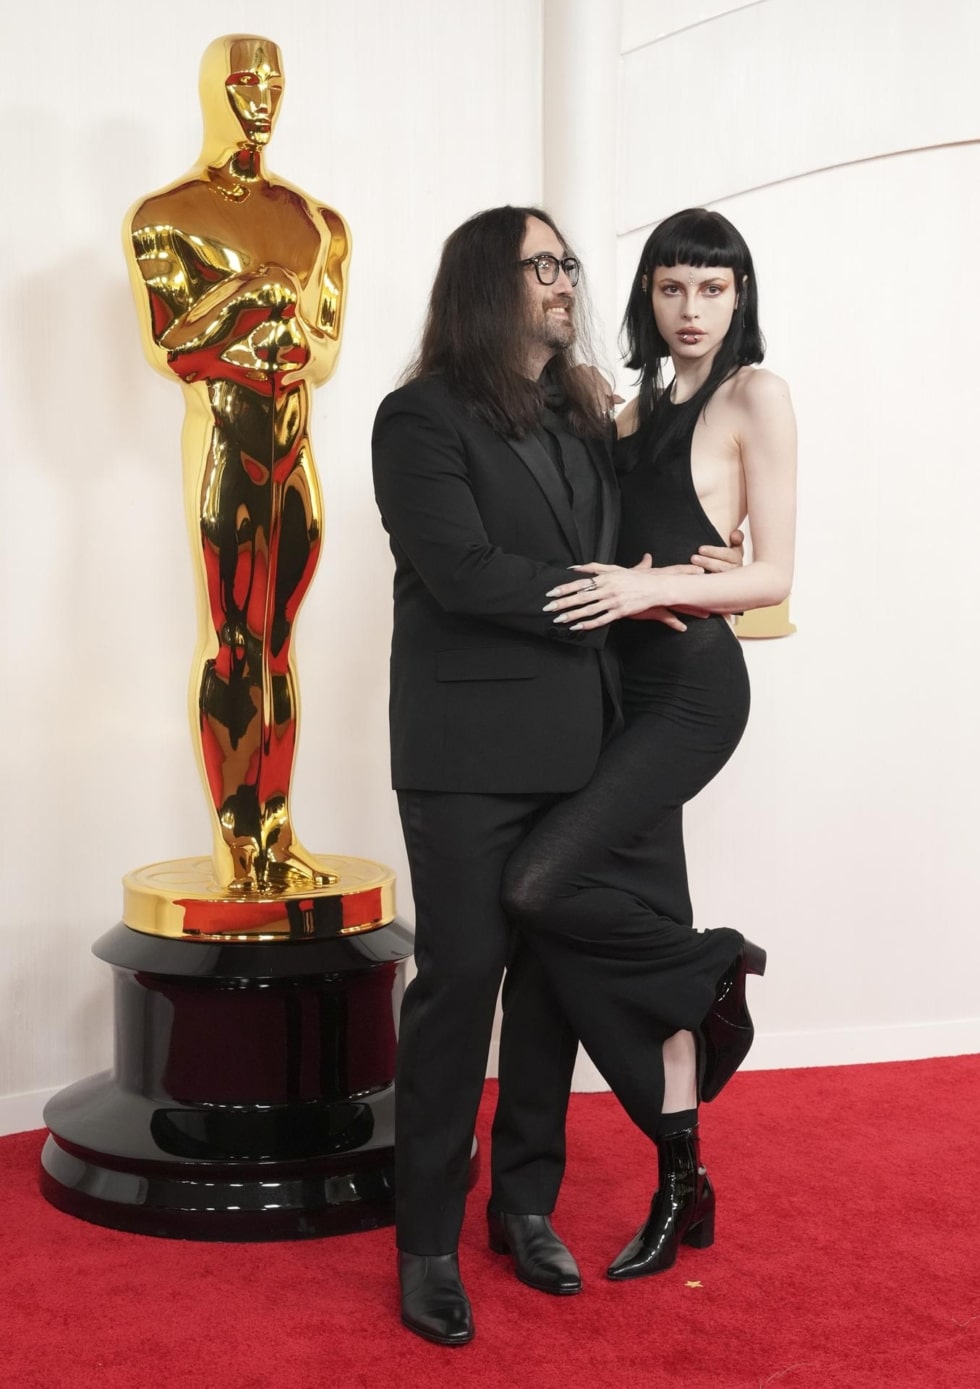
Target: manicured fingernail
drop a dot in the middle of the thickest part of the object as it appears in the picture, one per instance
(577, 627)
(549, 607)
(562, 617)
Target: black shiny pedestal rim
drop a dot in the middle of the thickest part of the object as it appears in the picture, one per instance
(287, 1201)
(251, 1095)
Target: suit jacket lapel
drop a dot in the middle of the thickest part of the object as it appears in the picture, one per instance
(534, 456)
(601, 454)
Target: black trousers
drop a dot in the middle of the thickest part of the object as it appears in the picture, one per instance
(457, 847)
(593, 886)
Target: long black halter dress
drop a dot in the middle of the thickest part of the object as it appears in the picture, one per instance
(600, 884)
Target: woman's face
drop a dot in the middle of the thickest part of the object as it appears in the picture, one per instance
(693, 307)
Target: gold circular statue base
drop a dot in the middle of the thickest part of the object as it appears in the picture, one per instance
(180, 899)
(765, 622)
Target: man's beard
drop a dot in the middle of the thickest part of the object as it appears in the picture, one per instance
(556, 333)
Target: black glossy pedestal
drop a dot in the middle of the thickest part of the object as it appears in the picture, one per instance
(252, 1093)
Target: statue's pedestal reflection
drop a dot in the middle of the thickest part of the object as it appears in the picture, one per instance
(252, 1091)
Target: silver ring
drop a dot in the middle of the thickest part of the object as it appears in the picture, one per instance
(591, 586)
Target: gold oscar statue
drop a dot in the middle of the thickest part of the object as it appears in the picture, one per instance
(240, 283)
(256, 991)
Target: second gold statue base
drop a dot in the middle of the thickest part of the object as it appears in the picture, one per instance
(180, 899)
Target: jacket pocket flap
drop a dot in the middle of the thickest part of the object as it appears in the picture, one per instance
(487, 663)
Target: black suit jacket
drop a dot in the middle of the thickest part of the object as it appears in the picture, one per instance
(487, 694)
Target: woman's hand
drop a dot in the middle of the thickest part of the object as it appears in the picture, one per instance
(610, 592)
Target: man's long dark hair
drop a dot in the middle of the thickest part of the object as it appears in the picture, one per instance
(474, 334)
(697, 237)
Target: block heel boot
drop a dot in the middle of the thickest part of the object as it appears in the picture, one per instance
(727, 1032)
(682, 1210)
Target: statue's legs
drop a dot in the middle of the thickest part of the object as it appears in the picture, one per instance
(260, 538)
(294, 551)
(234, 531)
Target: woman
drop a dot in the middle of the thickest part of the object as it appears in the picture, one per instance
(600, 884)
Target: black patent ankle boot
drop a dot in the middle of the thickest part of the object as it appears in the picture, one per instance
(682, 1210)
(726, 1034)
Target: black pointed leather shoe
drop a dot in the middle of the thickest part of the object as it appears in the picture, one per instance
(434, 1301)
(726, 1034)
(539, 1257)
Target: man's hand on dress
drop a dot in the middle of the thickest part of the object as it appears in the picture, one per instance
(715, 559)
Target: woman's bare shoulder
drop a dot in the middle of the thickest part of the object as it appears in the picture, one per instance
(756, 388)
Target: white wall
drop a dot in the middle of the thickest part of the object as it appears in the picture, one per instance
(842, 835)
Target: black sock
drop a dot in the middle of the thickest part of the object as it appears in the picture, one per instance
(678, 1121)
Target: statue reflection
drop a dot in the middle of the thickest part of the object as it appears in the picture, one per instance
(240, 282)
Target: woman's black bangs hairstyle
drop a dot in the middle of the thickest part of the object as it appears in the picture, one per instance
(475, 334)
(698, 237)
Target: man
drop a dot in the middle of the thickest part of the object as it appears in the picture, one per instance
(493, 475)
(488, 495)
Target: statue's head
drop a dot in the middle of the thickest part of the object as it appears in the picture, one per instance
(241, 87)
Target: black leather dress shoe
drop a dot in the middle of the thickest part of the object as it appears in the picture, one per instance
(434, 1302)
(727, 1032)
(540, 1259)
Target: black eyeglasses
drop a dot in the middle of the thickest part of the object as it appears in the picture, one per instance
(546, 268)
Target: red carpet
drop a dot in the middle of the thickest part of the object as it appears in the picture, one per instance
(846, 1258)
